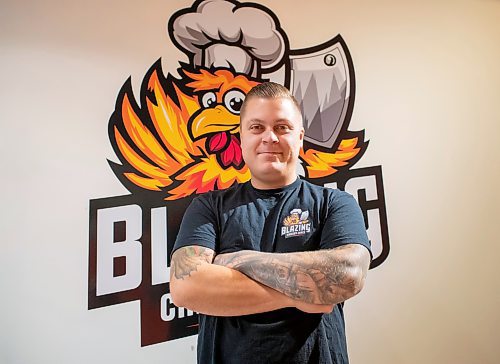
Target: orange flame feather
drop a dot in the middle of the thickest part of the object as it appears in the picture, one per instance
(321, 164)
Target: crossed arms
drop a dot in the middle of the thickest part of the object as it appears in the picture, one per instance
(247, 282)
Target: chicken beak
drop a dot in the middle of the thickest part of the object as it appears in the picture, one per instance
(214, 120)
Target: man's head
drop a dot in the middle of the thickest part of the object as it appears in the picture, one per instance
(272, 134)
(269, 90)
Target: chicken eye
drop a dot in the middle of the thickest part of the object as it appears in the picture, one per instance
(233, 101)
(208, 100)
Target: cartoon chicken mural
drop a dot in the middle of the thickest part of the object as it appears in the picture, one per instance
(183, 138)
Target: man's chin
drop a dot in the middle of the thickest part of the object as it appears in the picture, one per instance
(271, 175)
(271, 169)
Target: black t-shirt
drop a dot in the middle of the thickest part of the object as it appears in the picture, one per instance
(297, 217)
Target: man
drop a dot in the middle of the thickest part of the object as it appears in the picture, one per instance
(269, 263)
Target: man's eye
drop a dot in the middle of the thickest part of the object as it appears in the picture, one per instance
(255, 127)
(282, 128)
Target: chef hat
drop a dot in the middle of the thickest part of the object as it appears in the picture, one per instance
(222, 33)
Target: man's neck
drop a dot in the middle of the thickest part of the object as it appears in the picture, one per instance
(271, 185)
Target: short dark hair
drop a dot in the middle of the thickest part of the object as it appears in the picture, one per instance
(269, 90)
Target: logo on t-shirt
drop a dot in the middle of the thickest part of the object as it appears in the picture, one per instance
(296, 224)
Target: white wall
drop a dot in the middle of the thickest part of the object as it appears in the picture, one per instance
(427, 94)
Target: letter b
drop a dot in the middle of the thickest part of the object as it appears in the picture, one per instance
(108, 249)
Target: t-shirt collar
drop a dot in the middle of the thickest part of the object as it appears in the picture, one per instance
(274, 191)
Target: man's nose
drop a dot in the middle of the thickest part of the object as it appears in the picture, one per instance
(270, 136)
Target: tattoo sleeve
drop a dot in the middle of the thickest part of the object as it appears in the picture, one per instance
(186, 260)
(320, 277)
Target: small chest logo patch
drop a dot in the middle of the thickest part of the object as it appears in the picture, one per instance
(296, 224)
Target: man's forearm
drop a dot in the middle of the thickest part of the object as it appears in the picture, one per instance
(319, 277)
(211, 289)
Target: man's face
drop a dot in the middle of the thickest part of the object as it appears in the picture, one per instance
(271, 134)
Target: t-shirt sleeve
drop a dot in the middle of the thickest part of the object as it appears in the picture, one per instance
(198, 226)
(344, 223)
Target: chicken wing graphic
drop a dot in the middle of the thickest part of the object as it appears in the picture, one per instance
(180, 142)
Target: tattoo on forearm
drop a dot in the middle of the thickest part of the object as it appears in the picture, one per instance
(312, 278)
(186, 260)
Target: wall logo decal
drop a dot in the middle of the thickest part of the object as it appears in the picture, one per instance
(182, 139)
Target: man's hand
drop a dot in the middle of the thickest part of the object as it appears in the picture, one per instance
(313, 308)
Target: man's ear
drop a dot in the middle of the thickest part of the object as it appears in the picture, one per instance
(302, 132)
